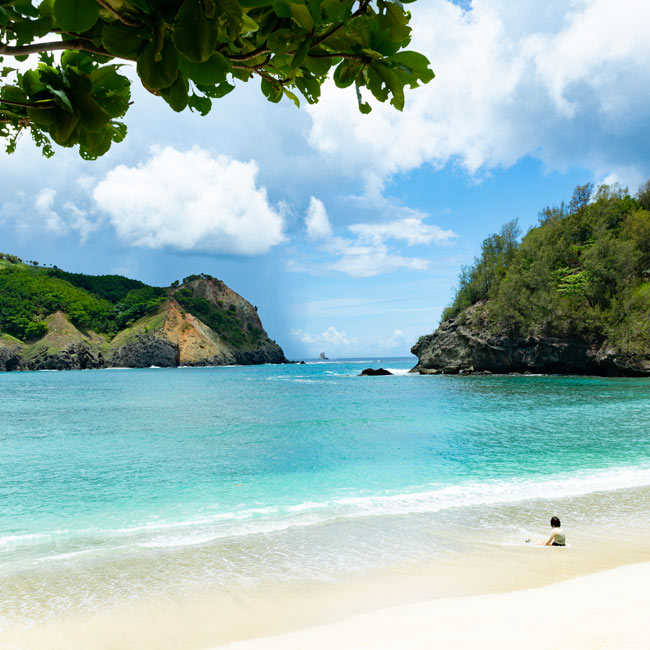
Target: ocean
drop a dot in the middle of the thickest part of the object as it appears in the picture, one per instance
(121, 485)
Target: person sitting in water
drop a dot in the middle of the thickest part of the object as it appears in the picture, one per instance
(557, 537)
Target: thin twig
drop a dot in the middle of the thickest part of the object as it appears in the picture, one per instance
(25, 105)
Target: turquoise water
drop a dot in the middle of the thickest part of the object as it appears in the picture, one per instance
(298, 469)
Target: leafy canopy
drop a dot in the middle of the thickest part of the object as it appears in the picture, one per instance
(584, 271)
(189, 52)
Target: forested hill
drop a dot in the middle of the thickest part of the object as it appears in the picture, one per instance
(50, 318)
(572, 296)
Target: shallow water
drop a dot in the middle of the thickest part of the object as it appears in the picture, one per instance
(117, 486)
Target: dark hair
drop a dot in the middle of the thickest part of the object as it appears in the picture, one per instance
(555, 522)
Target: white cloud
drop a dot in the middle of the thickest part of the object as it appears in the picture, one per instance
(397, 339)
(565, 82)
(317, 221)
(44, 204)
(366, 253)
(364, 261)
(191, 201)
(331, 336)
(411, 230)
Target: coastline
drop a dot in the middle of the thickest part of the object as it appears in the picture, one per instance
(590, 595)
(605, 610)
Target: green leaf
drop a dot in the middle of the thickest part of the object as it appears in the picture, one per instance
(392, 83)
(193, 36)
(302, 16)
(309, 87)
(364, 107)
(121, 40)
(216, 92)
(347, 72)
(61, 98)
(234, 15)
(76, 16)
(415, 64)
(176, 94)
(158, 74)
(94, 145)
(395, 21)
(212, 71)
(92, 117)
(31, 83)
(45, 116)
(255, 3)
(201, 104)
(65, 128)
(273, 92)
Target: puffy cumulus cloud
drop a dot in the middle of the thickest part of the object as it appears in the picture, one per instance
(317, 221)
(566, 82)
(331, 336)
(191, 201)
(366, 253)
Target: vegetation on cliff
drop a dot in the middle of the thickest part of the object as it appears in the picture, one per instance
(105, 303)
(583, 272)
(126, 322)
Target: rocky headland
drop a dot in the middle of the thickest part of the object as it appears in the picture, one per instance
(460, 348)
(571, 297)
(197, 323)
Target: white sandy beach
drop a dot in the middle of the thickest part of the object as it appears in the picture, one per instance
(607, 610)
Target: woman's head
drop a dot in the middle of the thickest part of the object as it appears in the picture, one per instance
(555, 522)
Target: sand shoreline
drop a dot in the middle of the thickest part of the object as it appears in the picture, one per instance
(604, 610)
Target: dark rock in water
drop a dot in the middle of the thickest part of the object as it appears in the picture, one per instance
(302, 363)
(372, 372)
(456, 347)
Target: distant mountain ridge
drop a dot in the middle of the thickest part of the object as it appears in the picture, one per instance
(573, 297)
(54, 320)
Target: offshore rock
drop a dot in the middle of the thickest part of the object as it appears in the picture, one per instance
(461, 347)
(372, 372)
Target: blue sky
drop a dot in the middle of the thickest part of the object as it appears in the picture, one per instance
(348, 231)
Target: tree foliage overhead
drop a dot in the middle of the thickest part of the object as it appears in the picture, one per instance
(190, 52)
(584, 271)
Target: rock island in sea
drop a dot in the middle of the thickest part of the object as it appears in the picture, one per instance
(54, 320)
(572, 298)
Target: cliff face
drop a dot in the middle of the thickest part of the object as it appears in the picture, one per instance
(458, 346)
(171, 337)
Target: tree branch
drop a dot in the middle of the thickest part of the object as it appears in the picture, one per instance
(50, 103)
(251, 55)
(363, 5)
(119, 16)
(51, 46)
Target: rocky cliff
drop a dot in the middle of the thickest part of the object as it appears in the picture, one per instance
(201, 322)
(459, 346)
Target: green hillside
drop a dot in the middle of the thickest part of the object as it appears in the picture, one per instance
(105, 303)
(584, 271)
